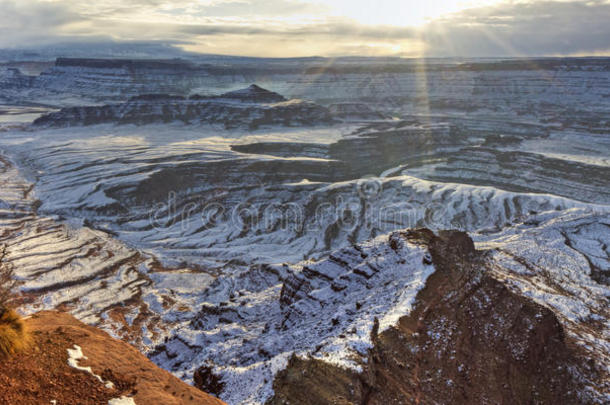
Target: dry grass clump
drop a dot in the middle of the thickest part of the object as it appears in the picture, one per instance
(13, 334)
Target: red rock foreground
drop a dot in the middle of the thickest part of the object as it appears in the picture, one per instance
(42, 375)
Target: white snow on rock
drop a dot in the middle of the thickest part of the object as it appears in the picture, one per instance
(323, 309)
(122, 401)
(233, 320)
(76, 354)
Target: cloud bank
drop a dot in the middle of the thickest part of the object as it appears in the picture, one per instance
(304, 28)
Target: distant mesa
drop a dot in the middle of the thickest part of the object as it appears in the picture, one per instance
(253, 93)
(251, 108)
(96, 63)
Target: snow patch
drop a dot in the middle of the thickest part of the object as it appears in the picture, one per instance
(76, 354)
(122, 401)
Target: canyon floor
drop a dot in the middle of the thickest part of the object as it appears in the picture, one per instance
(295, 231)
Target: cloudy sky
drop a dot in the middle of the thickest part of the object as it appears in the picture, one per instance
(282, 28)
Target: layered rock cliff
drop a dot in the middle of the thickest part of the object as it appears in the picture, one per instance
(250, 108)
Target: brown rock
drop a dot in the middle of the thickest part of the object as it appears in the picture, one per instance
(39, 376)
(468, 340)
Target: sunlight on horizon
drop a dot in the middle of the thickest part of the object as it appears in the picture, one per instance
(402, 12)
(384, 17)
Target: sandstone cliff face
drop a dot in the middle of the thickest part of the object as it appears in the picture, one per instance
(42, 374)
(469, 339)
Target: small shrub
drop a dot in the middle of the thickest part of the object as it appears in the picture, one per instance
(13, 334)
(7, 280)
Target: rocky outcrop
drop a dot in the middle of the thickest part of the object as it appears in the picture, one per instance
(253, 94)
(12, 78)
(248, 108)
(111, 370)
(469, 339)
